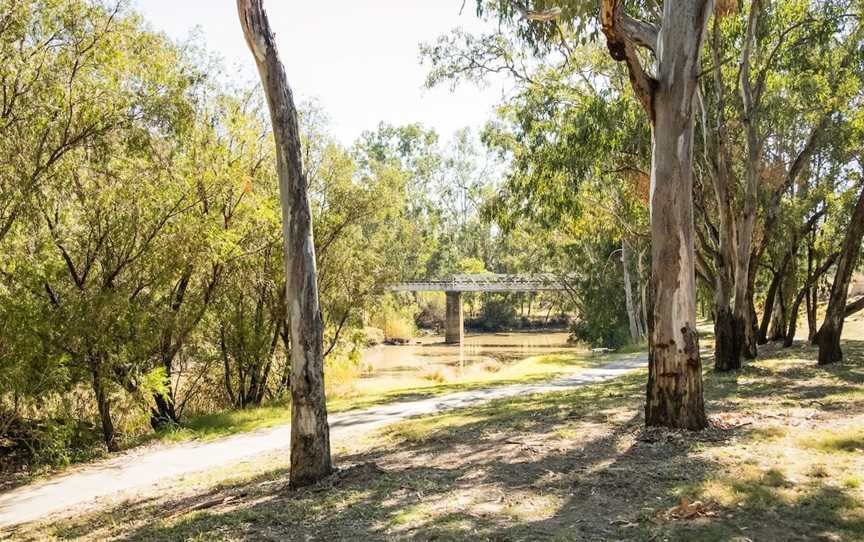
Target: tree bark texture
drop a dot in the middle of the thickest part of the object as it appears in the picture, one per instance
(675, 370)
(674, 391)
(310, 433)
(832, 326)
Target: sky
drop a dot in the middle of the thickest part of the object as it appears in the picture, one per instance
(358, 58)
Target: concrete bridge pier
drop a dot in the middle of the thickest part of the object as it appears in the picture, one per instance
(454, 321)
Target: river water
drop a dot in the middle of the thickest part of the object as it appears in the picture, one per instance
(428, 358)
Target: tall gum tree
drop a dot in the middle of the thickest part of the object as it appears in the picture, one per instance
(310, 433)
(732, 255)
(674, 391)
(761, 131)
(674, 394)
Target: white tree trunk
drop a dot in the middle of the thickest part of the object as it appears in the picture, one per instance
(310, 433)
(628, 293)
(674, 394)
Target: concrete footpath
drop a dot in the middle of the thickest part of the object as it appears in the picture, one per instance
(136, 470)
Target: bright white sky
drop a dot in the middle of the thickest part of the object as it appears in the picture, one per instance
(358, 58)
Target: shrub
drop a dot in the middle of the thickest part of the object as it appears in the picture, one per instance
(433, 307)
(396, 321)
(341, 373)
(48, 443)
(498, 313)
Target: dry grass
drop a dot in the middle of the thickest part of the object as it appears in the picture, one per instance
(781, 462)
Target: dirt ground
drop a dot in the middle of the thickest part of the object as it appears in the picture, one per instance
(783, 460)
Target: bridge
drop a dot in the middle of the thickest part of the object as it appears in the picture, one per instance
(454, 324)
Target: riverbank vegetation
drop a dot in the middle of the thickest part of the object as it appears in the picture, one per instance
(140, 235)
(710, 169)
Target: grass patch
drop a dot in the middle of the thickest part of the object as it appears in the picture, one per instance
(230, 422)
(777, 465)
(847, 440)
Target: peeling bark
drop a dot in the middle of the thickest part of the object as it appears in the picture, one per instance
(310, 433)
(674, 391)
(675, 369)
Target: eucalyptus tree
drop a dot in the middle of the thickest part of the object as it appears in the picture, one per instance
(828, 336)
(675, 370)
(310, 433)
(411, 151)
(578, 158)
(673, 36)
(755, 121)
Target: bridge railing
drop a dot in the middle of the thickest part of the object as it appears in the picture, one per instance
(483, 283)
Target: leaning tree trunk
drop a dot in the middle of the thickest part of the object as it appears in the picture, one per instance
(812, 323)
(813, 277)
(812, 297)
(832, 326)
(768, 308)
(771, 295)
(310, 433)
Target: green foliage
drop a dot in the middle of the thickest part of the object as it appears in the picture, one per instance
(47, 443)
(140, 229)
(600, 320)
(497, 313)
(395, 315)
(432, 310)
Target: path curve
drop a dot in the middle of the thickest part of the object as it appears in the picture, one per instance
(60, 494)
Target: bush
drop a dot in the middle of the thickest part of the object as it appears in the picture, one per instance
(599, 335)
(341, 372)
(602, 320)
(47, 443)
(396, 321)
(498, 313)
(433, 306)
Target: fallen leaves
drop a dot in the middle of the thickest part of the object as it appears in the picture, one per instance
(688, 510)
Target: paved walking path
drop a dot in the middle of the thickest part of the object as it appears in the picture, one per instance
(137, 470)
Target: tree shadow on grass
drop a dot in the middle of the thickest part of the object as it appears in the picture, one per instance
(575, 465)
(792, 376)
(497, 462)
(767, 511)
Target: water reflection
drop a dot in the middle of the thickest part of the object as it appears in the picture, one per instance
(430, 359)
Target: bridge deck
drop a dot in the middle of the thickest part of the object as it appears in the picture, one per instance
(482, 283)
